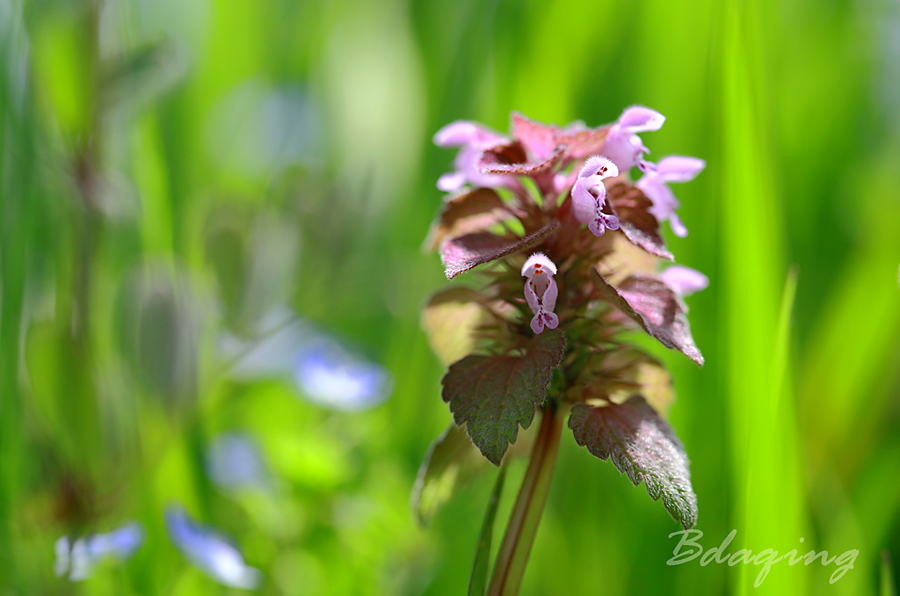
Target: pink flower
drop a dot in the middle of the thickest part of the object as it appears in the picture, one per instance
(541, 291)
(589, 195)
(623, 146)
(684, 281)
(653, 184)
(472, 139)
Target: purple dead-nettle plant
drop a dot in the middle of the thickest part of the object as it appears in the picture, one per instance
(572, 253)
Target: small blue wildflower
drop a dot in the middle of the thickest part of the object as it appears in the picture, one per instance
(332, 377)
(233, 461)
(79, 558)
(210, 552)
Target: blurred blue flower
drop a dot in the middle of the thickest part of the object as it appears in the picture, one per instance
(270, 353)
(210, 552)
(256, 129)
(334, 378)
(78, 559)
(327, 373)
(233, 461)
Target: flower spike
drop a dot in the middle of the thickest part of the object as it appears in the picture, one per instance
(541, 291)
(589, 195)
(507, 368)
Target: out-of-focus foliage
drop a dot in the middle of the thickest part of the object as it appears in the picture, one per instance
(194, 195)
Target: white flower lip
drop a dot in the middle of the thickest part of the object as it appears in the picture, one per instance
(540, 261)
(598, 165)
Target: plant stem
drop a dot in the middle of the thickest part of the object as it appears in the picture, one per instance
(526, 514)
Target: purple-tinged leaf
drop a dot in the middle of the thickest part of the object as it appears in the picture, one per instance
(643, 446)
(465, 252)
(635, 220)
(539, 139)
(583, 143)
(465, 213)
(489, 164)
(656, 308)
(493, 395)
(504, 152)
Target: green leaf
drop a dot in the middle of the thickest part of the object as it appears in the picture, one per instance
(451, 461)
(478, 581)
(465, 252)
(450, 319)
(643, 446)
(493, 395)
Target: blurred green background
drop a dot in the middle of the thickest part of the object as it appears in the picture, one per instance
(172, 173)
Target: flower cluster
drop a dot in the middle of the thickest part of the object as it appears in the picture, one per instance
(550, 156)
(557, 206)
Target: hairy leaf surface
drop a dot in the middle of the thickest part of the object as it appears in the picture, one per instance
(465, 213)
(656, 308)
(465, 252)
(493, 395)
(489, 165)
(642, 445)
(636, 222)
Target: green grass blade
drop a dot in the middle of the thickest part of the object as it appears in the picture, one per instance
(478, 581)
(765, 459)
(888, 587)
